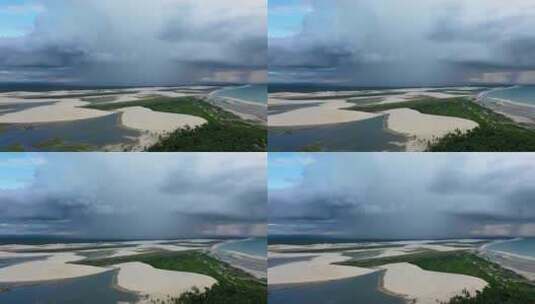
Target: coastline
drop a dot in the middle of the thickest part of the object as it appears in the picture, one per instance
(245, 109)
(523, 113)
(252, 264)
(520, 264)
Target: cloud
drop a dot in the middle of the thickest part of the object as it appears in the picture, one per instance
(431, 42)
(140, 42)
(150, 196)
(408, 196)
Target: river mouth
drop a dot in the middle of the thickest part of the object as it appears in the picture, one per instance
(369, 135)
(362, 289)
(98, 288)
(80, 135)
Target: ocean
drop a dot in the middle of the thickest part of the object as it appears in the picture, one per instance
(524, 247)
(520, 94)
(252, 246)
(253, 93)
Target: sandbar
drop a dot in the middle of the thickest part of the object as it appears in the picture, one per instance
(56, 267)
(318, 269)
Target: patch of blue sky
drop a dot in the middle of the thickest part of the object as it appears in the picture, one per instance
(17, 170)
(286, 169)
(17, 17)
(286, 17)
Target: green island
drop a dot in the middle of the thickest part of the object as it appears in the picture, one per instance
(224, 132)
(496, 132)
(505, 286)
(234, 285)
(56, 144)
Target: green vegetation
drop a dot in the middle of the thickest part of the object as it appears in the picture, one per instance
(496, 132)
(505, 286)
(99, 99)
(352, 95)
(335, 249)
(234, 286)
(315, 147)
(223, 132)
(56, 144)
(15, 148)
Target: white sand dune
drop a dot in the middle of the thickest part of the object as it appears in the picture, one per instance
(316, 270)
(424, 127)
(330, 112)
(159, 122)
(159, 284)
(427, 287)
(56, 267)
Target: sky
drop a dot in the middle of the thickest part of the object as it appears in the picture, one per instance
(401, 196)
(401, 43)
(133, 42)
(131, 196)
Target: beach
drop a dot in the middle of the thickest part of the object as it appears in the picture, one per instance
(298, 265)
(317, 109)
(38, 264)
(137, 127)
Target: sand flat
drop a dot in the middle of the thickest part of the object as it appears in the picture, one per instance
(424, 127)
(65, 110)
(159, 284)
(318, 269)
(331, 112)
(144, 119)
(427, 287)
(56, 267)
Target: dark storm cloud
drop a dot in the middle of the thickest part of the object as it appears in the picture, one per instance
(409, 196)
(430, 42)
(156, 196)
(146, 42)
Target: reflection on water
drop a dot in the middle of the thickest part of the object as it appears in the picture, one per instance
(93, 133)
(363, 289)
(365, 135)
(86, 290)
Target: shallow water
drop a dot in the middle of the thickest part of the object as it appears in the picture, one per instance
(363, 289)
(272, 262)
(95, 132)
(524, 247)
(362, 255)
(524, 94)
(6, 262)
(86, 290)
(253, 93)
(362, 136)
(17, 107)
(278, 109)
